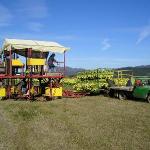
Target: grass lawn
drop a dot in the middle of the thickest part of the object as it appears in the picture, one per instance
(88, 123)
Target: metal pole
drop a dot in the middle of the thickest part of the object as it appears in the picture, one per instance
(10, 71)
(50, 86)
(30, 72)
(22, 69)
(26, 55)
(64, 63)
(10, 62)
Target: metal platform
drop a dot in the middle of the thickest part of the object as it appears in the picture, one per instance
(123, 88)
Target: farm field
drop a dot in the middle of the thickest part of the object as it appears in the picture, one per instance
(88, 123)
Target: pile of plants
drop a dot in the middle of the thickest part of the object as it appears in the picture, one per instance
(93, 81)
(120, 81)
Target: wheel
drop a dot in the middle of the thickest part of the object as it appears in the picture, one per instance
(111, 93)
(122, 96)
(106, 93)
(31, 97)
(59, 97)
(48, 98)
(116, 94)
(148, 98)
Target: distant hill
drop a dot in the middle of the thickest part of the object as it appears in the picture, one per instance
(137, 71)
(71, 71)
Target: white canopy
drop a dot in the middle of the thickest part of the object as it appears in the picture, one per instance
(43, 46)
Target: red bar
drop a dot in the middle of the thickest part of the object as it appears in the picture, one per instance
(32, 76)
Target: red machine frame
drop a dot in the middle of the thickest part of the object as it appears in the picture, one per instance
(29, 76)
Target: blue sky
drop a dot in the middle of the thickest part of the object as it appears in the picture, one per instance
(100, 33)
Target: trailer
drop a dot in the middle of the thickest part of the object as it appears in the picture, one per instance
(121, 92)
(140, 90)
(31, 71)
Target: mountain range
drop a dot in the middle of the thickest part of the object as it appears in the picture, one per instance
(143, 70)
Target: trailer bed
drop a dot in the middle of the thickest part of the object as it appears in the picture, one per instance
(123, 88)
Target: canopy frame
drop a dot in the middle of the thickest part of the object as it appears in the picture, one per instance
(20, 46)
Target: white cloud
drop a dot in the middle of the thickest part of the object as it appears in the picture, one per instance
(145, 33)
(5, 16)
(35, 26)
(105, 44)
(33, 8)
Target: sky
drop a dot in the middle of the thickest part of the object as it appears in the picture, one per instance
(100, 33)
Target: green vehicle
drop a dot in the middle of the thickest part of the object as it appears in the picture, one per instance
(140, 90)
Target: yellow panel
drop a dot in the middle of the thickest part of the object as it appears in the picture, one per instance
(55, 91)
(2, 92)
(17, 62)
(34, 62)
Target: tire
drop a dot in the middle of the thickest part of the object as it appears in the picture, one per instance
(48, 98)
(59, 97)
(148, 98)
(111, 93)
(106, 93)
(122, 96)
(116, 94)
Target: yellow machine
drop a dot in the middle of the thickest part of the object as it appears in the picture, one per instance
(31, 79)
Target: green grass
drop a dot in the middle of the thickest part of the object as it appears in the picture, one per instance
(88, 123)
